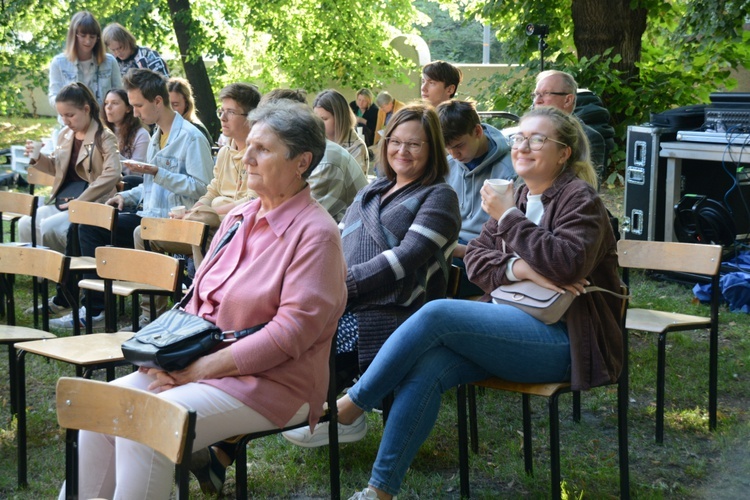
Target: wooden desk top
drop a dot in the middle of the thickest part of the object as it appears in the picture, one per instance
(81, 349)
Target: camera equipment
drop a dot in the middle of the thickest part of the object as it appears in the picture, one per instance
(537, 29)
(540, 30)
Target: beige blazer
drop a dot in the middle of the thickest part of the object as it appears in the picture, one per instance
(102, 171)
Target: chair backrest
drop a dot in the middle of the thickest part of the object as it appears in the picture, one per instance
(125, 412)
(92, 214)
(17, 204)
(140, 266)
(669, 256)
(36, 177)
(189, 232)
(30, 261)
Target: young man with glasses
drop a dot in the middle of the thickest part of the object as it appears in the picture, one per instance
(560, 90)
(229, 184)
(476, 152)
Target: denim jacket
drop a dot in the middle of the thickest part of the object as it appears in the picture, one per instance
(185, 169)
(63, 71)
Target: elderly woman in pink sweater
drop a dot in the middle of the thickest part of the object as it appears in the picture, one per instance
(283, 266)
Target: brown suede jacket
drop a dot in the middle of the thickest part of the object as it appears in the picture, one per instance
(574, 240)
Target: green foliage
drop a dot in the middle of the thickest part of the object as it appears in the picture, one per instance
(297, 43)
(688, 51)
(452, 39)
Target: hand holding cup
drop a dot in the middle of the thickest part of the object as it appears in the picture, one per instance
(177, 212)
(497, 197)
(33, 149)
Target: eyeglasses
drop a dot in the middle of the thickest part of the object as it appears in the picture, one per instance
(537, 95)
(84, 36)
(536, 141)
(229, 112)
(412, 147)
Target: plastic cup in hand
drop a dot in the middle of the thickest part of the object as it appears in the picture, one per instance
(178, 211)
(36, 148)
(502, 186)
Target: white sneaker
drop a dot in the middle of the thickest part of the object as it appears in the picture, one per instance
(53, 308)
(319, 437)
(66, 322)
(366, 494)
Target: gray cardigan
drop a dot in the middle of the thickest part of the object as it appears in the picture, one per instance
(397, 254)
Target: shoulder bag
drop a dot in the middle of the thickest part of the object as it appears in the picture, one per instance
(69, 192)
(177, 338)
(548, 306)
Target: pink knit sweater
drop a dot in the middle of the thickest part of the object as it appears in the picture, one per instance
(286, 269)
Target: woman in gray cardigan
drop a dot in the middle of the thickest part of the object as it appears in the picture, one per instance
(397, 236)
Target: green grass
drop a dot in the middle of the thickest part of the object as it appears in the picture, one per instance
(692, 463)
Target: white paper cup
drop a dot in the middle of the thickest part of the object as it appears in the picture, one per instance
(178, 211)
(36, 148)
(502, 186)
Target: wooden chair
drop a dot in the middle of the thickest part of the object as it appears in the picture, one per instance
(36, 263)
(331, 417)
(552, 392)
(36, 177)
(90, 214)
(86, 352)
(13, 206)
(125, 272)
(180, 231)
(700, 261)
(124, 412)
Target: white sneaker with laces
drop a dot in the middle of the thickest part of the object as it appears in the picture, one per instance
(53, 308)
(66, 322)
(366, 494)
(319, 437)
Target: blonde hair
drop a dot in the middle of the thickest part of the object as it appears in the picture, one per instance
(343, 116)
(570, 132)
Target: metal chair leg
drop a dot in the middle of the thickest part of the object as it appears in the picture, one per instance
(554, 447)
(660, 381)
(463, 445)
(528, 459)
(473, 432)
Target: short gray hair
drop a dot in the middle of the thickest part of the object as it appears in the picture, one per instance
(384, 98)
(296, 126)
(569, 83)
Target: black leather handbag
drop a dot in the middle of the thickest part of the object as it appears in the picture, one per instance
(70, 192)
(176, 339)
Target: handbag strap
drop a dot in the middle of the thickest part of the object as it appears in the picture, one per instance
(224, 240)
(231, 335)
(594, 288)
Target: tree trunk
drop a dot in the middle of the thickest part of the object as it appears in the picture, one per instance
(195, 69)
(599, 25)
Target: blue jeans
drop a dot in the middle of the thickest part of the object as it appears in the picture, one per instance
(445, 344)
